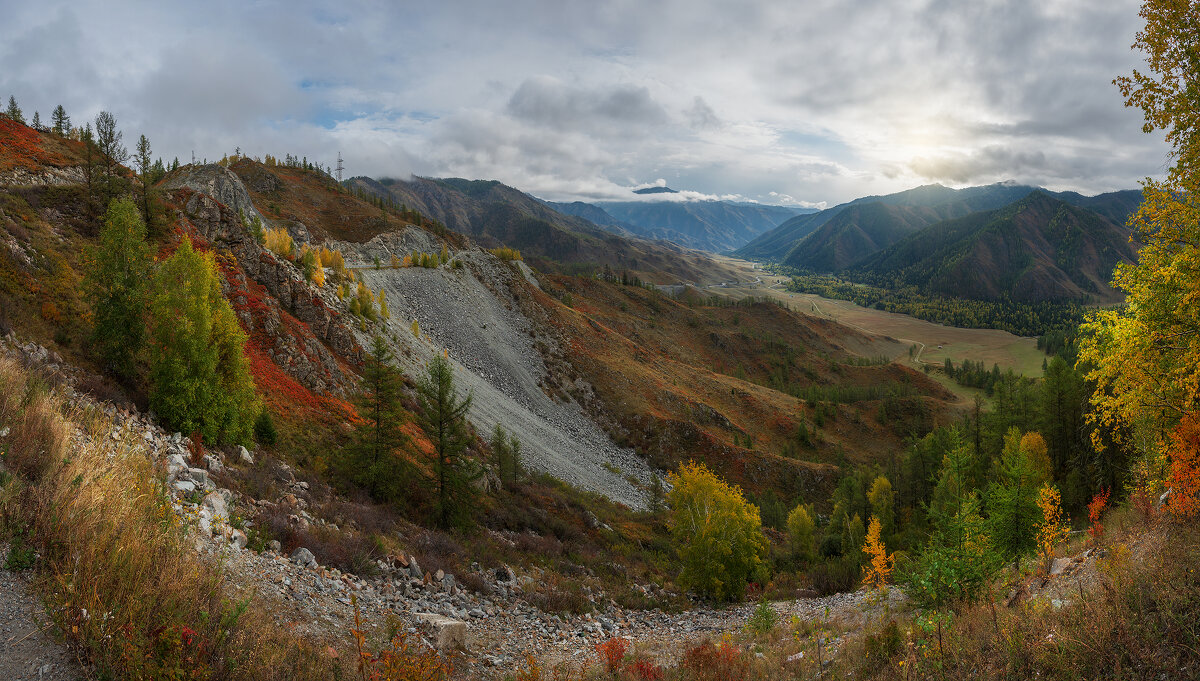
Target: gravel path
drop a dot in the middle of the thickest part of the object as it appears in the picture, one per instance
(28, 652)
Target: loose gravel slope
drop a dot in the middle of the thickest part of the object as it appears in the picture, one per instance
(491, 346)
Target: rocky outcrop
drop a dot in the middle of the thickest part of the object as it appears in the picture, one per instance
(220, 183)
(20, 177)
(309, 356)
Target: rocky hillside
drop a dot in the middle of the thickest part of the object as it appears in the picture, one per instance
(494, 214)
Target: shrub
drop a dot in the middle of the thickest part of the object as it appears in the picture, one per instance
(612, 655)
(717, 534)
(715, 662)
(264, 429)
(763, 619)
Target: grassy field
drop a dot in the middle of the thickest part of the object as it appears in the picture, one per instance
(934, 342)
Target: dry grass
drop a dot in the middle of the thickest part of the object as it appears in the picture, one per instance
(115, 567)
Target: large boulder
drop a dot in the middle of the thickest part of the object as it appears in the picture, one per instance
(448, 633)
(304, 558)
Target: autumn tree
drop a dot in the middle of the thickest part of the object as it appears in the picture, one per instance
(199, 375)
(60, 121)
(376, 460)
(880, 562)
(1145, 357)
(116, 285)
(801, 530)
(717, 534)
(443, 417)
(1051, 529)
(1185, 467)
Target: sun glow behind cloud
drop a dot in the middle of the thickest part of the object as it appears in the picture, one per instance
(818, 102)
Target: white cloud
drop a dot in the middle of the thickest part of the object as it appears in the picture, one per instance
(800, 103)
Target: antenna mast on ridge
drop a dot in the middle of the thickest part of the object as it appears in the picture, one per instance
(340, 168)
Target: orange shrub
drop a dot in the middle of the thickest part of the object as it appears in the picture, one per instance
(1095, 508)
(612, 654)
(1185, 467)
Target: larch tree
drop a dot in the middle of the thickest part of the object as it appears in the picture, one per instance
(199, 375)
(116, 285)
(443, 417)
(1144, 359)
(112, 149)
(377, 458)
(13, 111)
(60, 120)
(801, 528)
(144, 163)
(37, 121)
(1013, 514)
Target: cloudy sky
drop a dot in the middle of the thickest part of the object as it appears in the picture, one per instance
(777, 101)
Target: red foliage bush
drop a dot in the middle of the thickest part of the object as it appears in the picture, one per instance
(715, 662)
(612, 654)
(1095, 508)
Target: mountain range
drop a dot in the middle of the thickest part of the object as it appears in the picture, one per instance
(716, 226)
(980, 242)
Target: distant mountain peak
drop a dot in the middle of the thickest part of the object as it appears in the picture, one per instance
(655, 190)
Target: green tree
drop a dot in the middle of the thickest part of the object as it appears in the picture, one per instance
(443, 417)
(13, 111)
(800, 529)
(717, 534)
(112, 150)
(37, 121)
(61, 121)
(376, 460)
(144, 163)
(507, 450)
(1012, 499)
(199, 374)
(116, 285)
(883, 504)
(959, 560)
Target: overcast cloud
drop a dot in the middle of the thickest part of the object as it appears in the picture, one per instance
(776, 101)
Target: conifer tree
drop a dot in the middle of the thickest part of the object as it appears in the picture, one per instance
(60, 120)
(144, 162)
(506, 449)
(443, 417)
(376, 460)
(13, 111)
(199, 374)
(117, 288)
(109, 141)
(1012, 499)
(37, 121)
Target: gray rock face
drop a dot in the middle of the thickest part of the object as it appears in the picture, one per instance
(303, 356)
(244, 456)
(220, 183)
(304, 558)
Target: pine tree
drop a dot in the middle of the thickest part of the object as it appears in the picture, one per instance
(443, 417)
(117, 288)
(376, 460)
(61, 121)
(37, 121)
(13, 111)
(199, 374)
